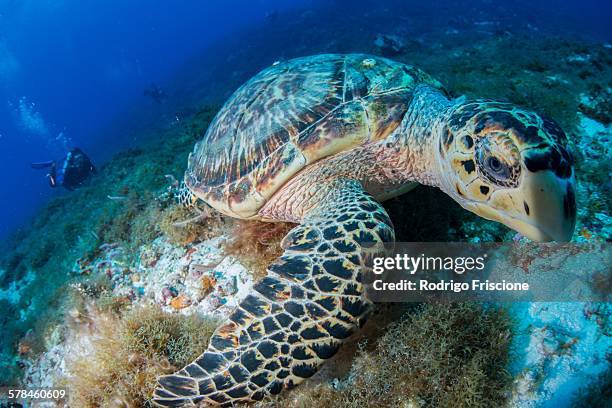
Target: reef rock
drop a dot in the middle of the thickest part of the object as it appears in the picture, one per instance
(559, 347)
(195, 279)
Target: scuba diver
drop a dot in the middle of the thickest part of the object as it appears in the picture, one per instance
(155, 93)
(71, 171)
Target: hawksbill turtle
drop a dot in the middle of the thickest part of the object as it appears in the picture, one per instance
(321, 141)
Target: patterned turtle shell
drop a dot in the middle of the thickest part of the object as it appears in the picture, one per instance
(292, 114)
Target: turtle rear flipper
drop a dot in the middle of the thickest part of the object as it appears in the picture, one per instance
(298, 315)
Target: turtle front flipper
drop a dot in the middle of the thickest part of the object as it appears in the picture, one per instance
(185, 197)
(297, 316)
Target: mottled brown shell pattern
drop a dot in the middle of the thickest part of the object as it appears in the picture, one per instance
(291, 115)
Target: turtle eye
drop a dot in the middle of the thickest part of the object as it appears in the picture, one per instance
(494, 167)
(494, 164)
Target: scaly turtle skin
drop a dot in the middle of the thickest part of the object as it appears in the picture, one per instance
(320, 141)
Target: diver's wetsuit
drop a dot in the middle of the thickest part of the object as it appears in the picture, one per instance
(72, 171)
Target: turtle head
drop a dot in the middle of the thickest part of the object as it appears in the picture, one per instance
(509, 165)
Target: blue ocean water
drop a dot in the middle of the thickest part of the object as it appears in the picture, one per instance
(70, 70)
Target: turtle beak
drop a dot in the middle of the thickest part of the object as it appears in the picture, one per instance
(543, 208)
(550, 207)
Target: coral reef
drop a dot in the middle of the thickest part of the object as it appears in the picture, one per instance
(153, 302)
(559, 346)
(593, 148)
(199, 278)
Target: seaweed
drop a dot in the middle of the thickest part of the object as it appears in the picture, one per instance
(438, 355)
(130, 352)
(256, 244)
(42, 254)
(181, 226)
